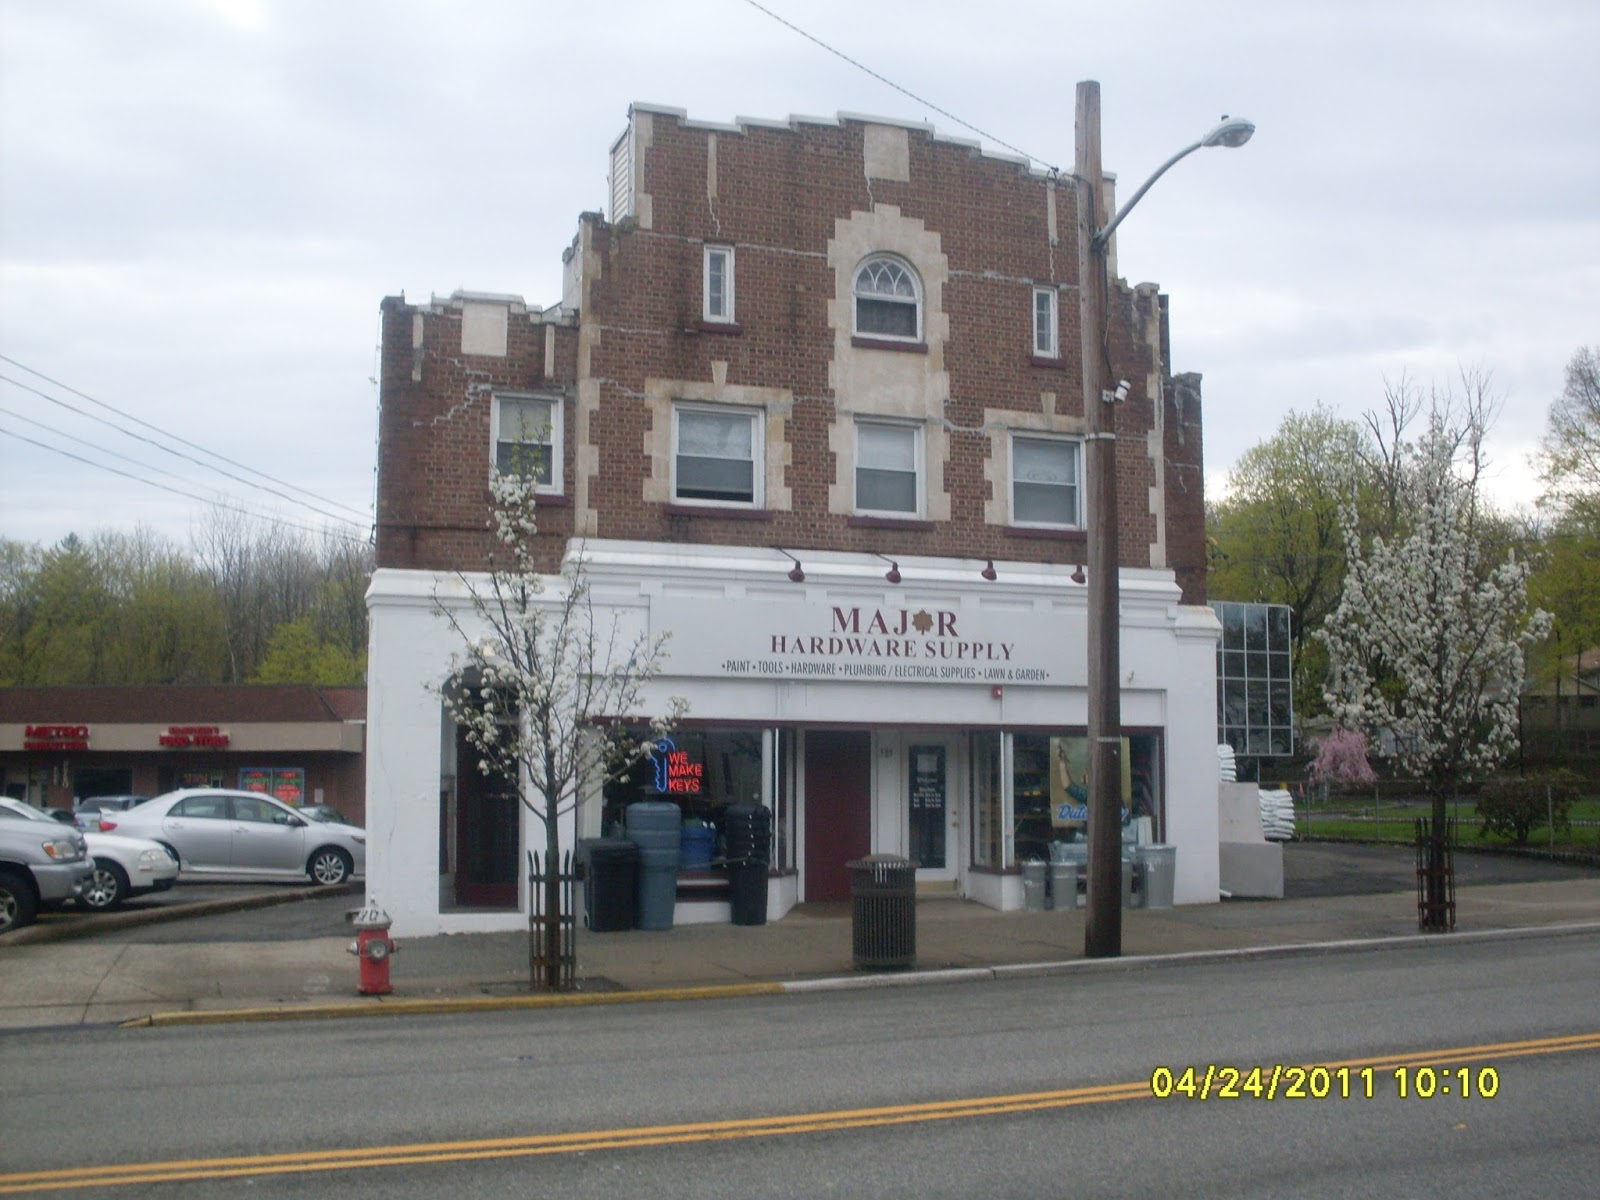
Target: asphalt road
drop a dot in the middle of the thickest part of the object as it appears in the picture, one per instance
(1026, 1088)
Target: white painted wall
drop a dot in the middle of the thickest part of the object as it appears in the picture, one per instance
(1168, 662)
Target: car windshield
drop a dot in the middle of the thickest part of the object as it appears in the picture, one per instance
(326, 815)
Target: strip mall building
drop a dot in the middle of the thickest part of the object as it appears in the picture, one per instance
(810, 404)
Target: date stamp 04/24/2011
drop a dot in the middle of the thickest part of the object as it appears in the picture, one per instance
(1280, 1082)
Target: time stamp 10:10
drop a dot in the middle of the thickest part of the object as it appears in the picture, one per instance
(1279, 1082)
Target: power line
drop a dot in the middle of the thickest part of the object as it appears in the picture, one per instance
(903, 91)
(151, 442)
(173, 437)
(359, 541)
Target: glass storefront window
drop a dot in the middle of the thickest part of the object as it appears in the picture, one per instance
(703, 771)
(1049, 779)
(988, 801)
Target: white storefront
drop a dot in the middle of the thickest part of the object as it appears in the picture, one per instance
(911, 709)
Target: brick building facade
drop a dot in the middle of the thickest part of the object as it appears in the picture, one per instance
(810, 380)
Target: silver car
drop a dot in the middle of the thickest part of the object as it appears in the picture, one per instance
(214, 831)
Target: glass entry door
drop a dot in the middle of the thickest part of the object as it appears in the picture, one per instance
(933, 807)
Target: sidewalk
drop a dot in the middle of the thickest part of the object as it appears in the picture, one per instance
(113, 977)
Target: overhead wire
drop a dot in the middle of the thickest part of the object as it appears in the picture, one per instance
(887, 82)
(214, 500)
(364, 517)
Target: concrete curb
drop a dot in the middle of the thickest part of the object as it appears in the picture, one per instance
(381, 1007)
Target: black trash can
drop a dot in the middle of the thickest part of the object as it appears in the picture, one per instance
(610, 865)
(746, 842)
(883, 911)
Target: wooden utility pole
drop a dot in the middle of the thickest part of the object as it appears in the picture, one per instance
(1103, 927)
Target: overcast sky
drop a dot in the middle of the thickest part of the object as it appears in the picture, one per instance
(202, 202)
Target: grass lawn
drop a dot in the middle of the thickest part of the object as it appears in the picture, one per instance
(1393, 821)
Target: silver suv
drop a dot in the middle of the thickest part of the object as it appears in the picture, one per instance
(42, 862)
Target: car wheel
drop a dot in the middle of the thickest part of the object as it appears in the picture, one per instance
(330, 866)
(107, 890)
(17, 907)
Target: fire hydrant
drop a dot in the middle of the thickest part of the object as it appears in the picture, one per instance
(372, 947)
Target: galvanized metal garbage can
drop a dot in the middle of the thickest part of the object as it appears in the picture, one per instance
(1160, 869)
(1035, 885)
(883, 925)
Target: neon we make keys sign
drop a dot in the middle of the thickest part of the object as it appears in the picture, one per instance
(676, 772)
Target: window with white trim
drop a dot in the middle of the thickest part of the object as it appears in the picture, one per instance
(718, 285)
(527, 437)
(1046, 339)
(888, 469)
(1045, 481)
(716, 455)
(888, 298)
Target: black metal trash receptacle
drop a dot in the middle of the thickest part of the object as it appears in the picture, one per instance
(883, 911)
(746, 841)
(611, 865)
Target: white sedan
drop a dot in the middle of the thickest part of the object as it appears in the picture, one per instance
(215, 831)
(123, 867)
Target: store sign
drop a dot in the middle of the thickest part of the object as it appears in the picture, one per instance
(871, 643)
(184, 737)
(676, 772)
(55, 737)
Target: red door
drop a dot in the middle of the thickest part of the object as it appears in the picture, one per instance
(838, 809)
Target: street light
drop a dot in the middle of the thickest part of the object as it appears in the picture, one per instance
(1103, 925)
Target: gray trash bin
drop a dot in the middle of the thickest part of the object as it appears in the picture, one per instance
(1132, 891)
(1160, 867)
(1064, 878)
(1035, 883)
(655, 826)
(883, 911)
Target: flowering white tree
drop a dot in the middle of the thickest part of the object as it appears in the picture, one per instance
(548, 697)
(1428, 639)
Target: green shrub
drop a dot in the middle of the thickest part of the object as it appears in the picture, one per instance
(1514, 808)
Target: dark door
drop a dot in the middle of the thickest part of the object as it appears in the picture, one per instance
(838, 809)
(486, 834)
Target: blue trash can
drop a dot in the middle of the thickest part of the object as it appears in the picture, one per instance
(655, 826)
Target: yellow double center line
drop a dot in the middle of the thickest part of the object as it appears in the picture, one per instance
(705, 1131)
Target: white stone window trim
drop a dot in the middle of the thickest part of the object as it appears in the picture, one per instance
(887, 279)
(1046, 323)
(758, 430)
(717, 293)
(1075, 447)
(919, 469)
(552, 435)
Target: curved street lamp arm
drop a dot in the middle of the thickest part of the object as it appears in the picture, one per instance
(1098, 242)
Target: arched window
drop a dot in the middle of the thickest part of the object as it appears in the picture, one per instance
(888, 300)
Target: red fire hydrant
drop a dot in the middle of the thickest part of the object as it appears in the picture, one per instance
(372, 947)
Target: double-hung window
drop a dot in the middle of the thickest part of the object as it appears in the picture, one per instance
(527, 437)
(888, 469)
(717, 286)
(1045, 487)
(1046, 339)
(888, 300)
(716, 455)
